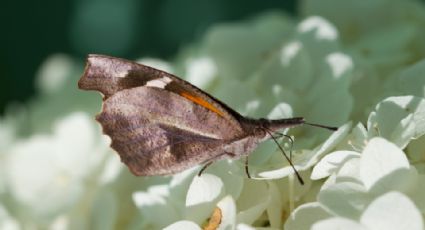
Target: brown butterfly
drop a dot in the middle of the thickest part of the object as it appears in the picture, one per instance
(160, 124)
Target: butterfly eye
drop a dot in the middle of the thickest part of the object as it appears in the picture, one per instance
(260, 132)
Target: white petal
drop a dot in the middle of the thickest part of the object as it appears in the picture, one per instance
(232, 175)
(349, 171)
(112, 169)
(330, 163)
(183, 224)
(36, 179)
(228, 212)
(253, 201)
(345, 199)
(274, 210)
(289, 52)
(340, 63)
(180, 183)
(243, 226)
(201, 71)
(322, 28)
(393, 210)
(330, 143)
(398, 119)
(104, 210)
(357, 139)
(203, 189)
(6, 221)
(202, 196)
(152, 206)
(54, 72)
(276, 174)
(338, 223)
(308, 159)
(380, 158)
(305, 216)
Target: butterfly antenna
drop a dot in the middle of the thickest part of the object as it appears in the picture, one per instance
(300, 179)
(322, 126)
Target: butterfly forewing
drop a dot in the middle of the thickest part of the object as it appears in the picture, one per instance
(109, 75)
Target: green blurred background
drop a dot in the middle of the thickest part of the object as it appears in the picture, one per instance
(33, 30)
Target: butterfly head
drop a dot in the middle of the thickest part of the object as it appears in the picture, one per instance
(265, 127)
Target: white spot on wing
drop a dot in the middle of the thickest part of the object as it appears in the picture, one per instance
(159, 83)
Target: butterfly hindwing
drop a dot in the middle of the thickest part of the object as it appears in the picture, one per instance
(157, 132)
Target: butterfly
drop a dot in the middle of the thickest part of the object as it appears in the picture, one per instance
(160, 124)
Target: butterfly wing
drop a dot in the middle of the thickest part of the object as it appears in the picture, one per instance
(110, 75)
(158, 132)
(159, 124)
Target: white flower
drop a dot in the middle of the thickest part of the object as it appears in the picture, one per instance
(379, 170)
(382, 37)
(392, 210)
(46, 174)
(347, 61)
(6, 221)
(407, 120)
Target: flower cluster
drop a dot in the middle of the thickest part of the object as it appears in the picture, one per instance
(345, 63)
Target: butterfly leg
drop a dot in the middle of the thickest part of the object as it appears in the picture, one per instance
(205, 167)
(210, 161)
(246, 167)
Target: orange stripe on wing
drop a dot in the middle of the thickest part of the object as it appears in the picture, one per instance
(202, 103)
